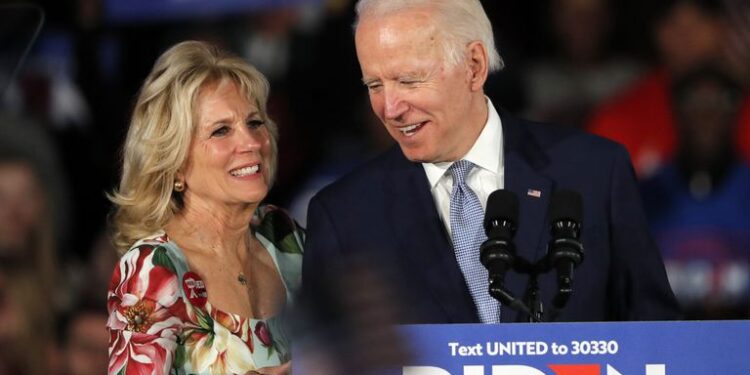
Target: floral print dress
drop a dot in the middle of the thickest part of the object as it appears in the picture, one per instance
(160, 320)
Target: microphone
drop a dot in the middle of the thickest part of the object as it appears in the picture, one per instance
(498, 252)
(565, 250)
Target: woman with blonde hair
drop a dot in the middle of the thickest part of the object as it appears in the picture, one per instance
(207, 271)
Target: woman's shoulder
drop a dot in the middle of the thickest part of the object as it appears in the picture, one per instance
(148, 259)
(146, 243)
(283, 238)
(151, 250)
(278, 227)
(152, 241)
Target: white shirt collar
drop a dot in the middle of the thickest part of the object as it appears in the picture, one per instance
(486, 153)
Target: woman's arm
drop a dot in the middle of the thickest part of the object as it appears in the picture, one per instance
(146, 313)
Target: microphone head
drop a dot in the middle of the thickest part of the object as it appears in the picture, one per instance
(502, 205)
(566, 205)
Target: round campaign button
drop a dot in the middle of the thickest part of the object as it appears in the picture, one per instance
(195, 289)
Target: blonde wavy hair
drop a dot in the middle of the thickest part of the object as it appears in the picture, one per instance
(161, 129)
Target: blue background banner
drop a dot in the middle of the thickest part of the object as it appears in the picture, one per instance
(149, 10)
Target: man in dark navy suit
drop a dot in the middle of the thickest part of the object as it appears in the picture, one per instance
(424, 63)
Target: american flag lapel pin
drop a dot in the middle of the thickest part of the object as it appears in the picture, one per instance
(534, 193)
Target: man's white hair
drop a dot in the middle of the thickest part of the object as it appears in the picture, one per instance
(460, 22)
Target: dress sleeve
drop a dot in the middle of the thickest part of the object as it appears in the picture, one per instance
(146, 313)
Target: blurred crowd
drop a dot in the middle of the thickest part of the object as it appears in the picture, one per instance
(666, 78)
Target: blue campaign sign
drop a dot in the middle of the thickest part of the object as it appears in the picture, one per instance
(150, 10)
(626, 348)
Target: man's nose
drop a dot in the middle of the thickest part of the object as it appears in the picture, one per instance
(395, 105)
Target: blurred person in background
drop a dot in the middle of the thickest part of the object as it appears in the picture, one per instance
(34, 208)
(207, 272)
(32, 216)
(84, 342)
(687, 34)
(584, 69)
(33, 202)
(737, 46)
(323, 70)
(342, 156)
(27, 333)
(26, 233)
(90, 277)
(82, 335)
(698, 203)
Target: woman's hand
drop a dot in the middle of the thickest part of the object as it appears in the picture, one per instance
(285, 369)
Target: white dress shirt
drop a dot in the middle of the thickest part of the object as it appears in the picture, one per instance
(487, 175)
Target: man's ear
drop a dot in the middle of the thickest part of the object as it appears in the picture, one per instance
(478, 62)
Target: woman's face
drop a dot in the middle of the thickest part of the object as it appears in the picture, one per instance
(230, 152)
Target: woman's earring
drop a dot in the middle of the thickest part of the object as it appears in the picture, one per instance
(179, 186)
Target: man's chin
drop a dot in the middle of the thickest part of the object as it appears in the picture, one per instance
(417, 155)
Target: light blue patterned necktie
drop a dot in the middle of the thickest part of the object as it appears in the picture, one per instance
(467, 234)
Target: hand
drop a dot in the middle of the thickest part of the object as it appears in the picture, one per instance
(284, 369)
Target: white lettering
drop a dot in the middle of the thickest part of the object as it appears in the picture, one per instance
(516, 348)
(453, 346)
(465, 351)
(656, 369)
(515, 370)
(424, 370)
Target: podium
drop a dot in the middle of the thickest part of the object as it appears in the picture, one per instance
(617, 348)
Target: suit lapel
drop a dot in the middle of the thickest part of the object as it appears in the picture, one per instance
(523, 160)
(423, 239)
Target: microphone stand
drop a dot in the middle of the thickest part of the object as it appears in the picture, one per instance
(532, 306)
(535, 300)
(533, 296)
(498, 255)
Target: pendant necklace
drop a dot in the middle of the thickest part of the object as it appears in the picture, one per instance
(242, 279)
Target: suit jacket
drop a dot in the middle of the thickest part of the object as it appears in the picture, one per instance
(384, 213)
